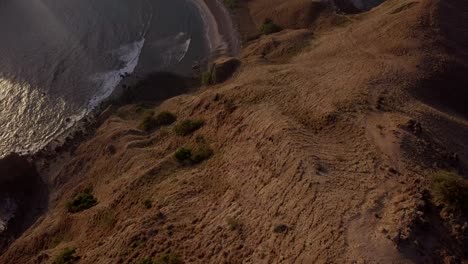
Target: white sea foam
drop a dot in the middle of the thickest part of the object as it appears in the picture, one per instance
(172, 50)
(129, 55)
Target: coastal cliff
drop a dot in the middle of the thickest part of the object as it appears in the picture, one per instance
(340, 138)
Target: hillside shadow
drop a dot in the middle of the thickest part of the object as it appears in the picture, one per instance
(24, 197)
(154, 87)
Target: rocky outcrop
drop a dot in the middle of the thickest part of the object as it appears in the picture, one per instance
(223, 68)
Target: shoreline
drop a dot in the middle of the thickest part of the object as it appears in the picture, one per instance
(222, 38)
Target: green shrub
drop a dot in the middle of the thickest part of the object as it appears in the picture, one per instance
(148, 204)
(187, 127)
(67, 256)
(206, 78)
(269, 27)
(165, 118)
(450, 189)
(82, 202)
(147, 123)
(202, 153)
(183, 154)
(151, 122)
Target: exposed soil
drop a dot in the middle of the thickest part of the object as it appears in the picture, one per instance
(323, 142)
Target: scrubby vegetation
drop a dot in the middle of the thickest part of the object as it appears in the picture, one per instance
(67, 256)
(183, 154)
(450, 189)
(202, 153)
(268, 27)
(187, 127)
(147, 122)
(82, 201)
(151, 122)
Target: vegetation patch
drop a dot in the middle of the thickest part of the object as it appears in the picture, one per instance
(151, 122)
(82, 201)
(187, 127)
(202, 153)
(269, 27)
(450, 189)
(183, 154)
(67, 256)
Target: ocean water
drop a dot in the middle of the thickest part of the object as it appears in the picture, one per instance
(60, 58)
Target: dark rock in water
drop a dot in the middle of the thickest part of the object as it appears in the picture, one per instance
(22, 195)
(67, 120)
(223, 69)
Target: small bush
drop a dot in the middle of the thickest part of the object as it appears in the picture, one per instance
(269, 27)
(67, 256)
(281, 228)
(202, 153)
(151, 122)
(187, 127)
(148, 122)
(165, 118)
(450, 189)
(183, 154)
(206, 78)
(148, 204)
(82, 202)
